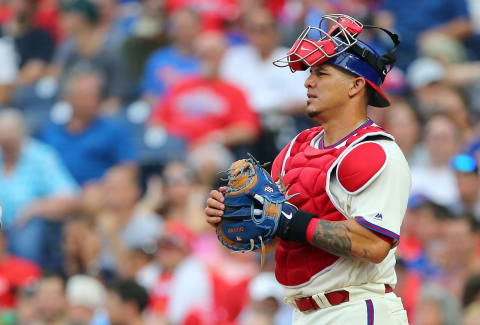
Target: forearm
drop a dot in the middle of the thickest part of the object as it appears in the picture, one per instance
(53, 208)
(462, 74)
(458, 29)
(233, 135)
(121, 256)
(5, 94)
(31, 72)
(54, 70)
(239, 134)
(333, 237)
(346, 239)
(341, 238)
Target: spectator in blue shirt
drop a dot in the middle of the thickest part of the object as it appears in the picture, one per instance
(415, 20)
(165, 66)
(89, 144)
(36, 191)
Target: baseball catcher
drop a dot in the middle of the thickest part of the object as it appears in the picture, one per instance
(337, 194)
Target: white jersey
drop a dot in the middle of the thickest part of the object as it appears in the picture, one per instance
(380, 206)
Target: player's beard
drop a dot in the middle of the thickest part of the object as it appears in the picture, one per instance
(315, 114)
(312, 113)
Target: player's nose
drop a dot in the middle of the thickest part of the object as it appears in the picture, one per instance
(308, 82)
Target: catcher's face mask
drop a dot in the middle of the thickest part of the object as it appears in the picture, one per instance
(338, 44)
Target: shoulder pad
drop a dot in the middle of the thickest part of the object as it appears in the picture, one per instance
(360, 166)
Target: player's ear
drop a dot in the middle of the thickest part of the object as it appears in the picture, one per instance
(356, 86)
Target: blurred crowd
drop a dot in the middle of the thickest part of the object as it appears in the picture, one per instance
(118, 116)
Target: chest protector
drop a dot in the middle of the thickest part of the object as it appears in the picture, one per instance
(304, 170)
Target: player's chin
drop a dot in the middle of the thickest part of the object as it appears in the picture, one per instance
(312, 111)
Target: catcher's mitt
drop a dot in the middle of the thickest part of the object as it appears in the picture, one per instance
(253, 208)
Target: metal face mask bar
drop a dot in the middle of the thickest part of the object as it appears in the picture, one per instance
(338, 45)
(341, 35)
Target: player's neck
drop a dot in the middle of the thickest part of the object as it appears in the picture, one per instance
(337, 128)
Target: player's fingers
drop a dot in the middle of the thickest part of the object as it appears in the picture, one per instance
(215, 204)
(212, 212)
(217, 195)
(222, 189)
(213, 221)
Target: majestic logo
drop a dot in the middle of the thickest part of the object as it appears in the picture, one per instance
(288, 216)
(378, 217)
(268, 189)
(236, 229)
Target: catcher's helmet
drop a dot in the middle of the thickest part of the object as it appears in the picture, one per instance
(338, 45)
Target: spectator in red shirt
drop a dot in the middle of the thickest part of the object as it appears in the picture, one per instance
(210, 114)
(16, 273)
(207, 109)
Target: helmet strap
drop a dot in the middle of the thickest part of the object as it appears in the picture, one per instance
(385, 63)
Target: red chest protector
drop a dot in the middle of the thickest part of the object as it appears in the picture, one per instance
(305, 172)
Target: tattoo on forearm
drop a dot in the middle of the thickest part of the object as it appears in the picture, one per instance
(334, 237)
(365, 253)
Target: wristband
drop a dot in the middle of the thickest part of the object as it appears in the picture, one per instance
(297, 229)
(311, 230)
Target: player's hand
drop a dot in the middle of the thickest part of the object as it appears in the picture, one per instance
(285, 214)
(215, 206)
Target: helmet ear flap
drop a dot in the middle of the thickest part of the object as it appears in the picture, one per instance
(385, 63)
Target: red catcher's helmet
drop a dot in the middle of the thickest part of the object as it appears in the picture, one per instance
(338, 45)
